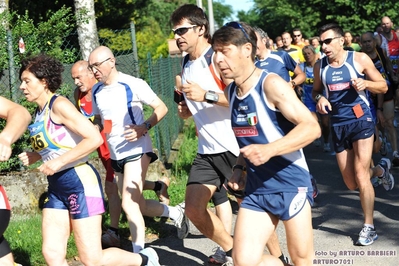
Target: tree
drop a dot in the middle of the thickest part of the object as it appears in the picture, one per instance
(86, 27)
(357, 16)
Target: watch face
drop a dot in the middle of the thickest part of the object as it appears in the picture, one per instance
(211, 97)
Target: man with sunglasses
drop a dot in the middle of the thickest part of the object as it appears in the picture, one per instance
(202, 87)
(298, 38)
(271, 126)
(348, 77)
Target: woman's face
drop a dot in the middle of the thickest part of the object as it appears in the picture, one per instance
(309, 55)
(31, 86)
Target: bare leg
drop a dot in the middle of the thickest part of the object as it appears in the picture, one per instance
(197, 198)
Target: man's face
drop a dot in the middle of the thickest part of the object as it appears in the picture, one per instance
(186, 35)
(331, 43)
(101, 65)
(230, 58)
(82, 77)
(315, 43)
(386, 25)
(297, 36)
(286, 39)
(260, 44)
(367, 43)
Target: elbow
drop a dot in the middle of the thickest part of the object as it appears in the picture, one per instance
(98, 141)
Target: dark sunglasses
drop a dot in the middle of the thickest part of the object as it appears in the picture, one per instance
(183, 30)
(298, 35)
(328, 41)
(238, 26)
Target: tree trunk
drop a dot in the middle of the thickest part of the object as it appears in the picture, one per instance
(87, 28)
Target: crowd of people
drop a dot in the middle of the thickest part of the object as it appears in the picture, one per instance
(255, 104)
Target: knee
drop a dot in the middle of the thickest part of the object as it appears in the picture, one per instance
(352, 187)
(53, 256)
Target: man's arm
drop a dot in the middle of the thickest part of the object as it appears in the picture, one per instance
(306, 127)
(375, 83)
(18, 119)
(317, 93)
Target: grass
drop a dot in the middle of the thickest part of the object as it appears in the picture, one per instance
(24, 233)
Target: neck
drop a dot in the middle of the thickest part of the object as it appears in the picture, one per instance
(264, 54)
(243, 86)
(339, 59)
(199, 48)
(43, 99)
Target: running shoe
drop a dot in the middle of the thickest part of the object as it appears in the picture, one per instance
(314, 186)
(151, 254)
(218, 258)
(110, 239)
(326, 147)
(376, 181)
(162, 194)
(182, 223)
(395, 158)
(387, 179)
(229, 261)
(367, 236)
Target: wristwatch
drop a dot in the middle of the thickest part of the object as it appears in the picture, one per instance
(237, 166)
(147, 125)
(293, 83)
(381, 109)
(211, 97)
(318, 97)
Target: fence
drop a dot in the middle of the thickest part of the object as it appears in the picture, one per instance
(159, 73)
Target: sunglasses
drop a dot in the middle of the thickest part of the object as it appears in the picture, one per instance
(298, 35)
(183, 30)
(328, 41)
(97, 65)
(237, 26)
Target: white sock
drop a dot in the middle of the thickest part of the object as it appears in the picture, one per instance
(369, 225)
(137, 247)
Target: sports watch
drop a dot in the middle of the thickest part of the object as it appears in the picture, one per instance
(211, 97)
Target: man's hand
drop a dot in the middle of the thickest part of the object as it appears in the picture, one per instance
(237, 180)
(323, 105)
(193, 91)
(183, 111)
(257, 154)
(134, 132)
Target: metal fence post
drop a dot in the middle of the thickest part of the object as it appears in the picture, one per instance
(11, 67)
(134, 45)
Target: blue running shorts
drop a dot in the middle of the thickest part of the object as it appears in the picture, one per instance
(77, 190)
(284, 205)
(344, 136)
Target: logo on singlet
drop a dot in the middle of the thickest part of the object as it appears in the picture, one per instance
(245, 131)
(339, 86)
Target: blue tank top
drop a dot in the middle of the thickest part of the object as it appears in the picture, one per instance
(278, 62)
(340, 92)
(307, 86)
(254, 122)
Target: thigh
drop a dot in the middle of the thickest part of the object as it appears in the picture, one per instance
(198, 196)
(363, 149)
(252, 230)
(87, 234)
(56, 229)
(134, 177)
(300, 245)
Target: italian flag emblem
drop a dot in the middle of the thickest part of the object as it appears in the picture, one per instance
(252, 119)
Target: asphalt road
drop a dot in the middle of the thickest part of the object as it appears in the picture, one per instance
(337, 220)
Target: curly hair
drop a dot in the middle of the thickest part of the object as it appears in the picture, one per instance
(44, 67)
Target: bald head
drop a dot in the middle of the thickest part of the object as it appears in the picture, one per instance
(102, 63)
(386, 24)
(82, 76)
